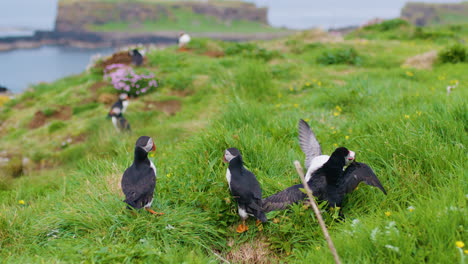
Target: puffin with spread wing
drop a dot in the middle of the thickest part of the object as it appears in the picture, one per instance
(326, 175)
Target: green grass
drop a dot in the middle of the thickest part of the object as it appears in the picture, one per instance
(400, 121)
(186, 20)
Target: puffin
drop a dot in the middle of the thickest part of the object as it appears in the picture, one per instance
(184, 39)
(137, 57)
(139, 180)
(122, 103)
(244, 188)
(119, 121)
(329, 181)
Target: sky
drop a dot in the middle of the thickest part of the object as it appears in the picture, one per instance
(298, 14)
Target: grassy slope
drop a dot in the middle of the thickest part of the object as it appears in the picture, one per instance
(400, 121)
(187, 21)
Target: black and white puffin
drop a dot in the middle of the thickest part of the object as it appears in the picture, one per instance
(139, 180)
(137, 57)
(244, 188)
(121, 105)
(329, 182)
(184, 39)
(119, 121)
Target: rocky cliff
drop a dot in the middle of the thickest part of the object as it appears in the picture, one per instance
(79, 16)
(422, 14)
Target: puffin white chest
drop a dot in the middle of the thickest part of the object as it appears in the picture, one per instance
(153, 167)
(228, 177)
(124, 106)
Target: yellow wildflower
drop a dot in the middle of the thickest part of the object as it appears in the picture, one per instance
(335, 145)
(291, 88)
(459, 244)
(169, 175)
(466, 251)
(317, 248)
(411, 209)
(334, 132)
(307, 119)
(336, 113)
(21, 202)
(346, 137)
(410, 74)
(418, 113)
(441, 77)
(388, 213)
(152, 154)
(319, 83)
(307, 83)
(454, 82)
(296, 105)
(407, 116)
(338, 108)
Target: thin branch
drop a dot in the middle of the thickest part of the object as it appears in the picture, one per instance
(317, 213)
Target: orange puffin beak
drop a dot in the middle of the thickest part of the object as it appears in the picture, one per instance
(224, 160)
(154, 148)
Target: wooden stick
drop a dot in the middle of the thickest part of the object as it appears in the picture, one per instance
(317, 212)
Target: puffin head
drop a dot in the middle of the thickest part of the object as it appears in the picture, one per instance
(345, 154)
(230, 153)
(123, 96)
(145, 143)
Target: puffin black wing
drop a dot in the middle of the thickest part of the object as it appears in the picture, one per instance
(247, 191)
(138, 190)
(283, 199)
(360, 172)
(308, 142)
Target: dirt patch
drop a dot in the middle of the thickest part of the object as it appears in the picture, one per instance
(257, 252)
(214, 54)
(79, 138)
(208, 53)
(169, 107)
(121, 57)
(183, 93)
(107, 98)
(339, 82)
(422, 61)
(40, 118)
(97, 86)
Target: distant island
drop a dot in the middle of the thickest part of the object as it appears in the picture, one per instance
(110, 23)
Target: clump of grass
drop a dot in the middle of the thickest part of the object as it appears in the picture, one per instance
(250, 50)
(453, 54)
(83, 108)
(56, 125)
(339, 56)
(48, 112)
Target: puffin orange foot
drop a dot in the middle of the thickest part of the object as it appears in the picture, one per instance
(153, 212)
(242, 228)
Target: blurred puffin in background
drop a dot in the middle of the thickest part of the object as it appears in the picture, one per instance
(184, 39)
(137, 57)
